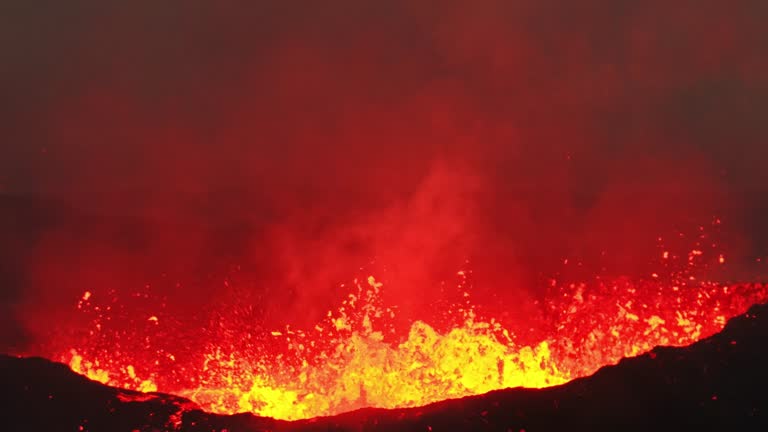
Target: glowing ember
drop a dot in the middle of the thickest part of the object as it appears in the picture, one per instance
(346, 363)
(354, 358)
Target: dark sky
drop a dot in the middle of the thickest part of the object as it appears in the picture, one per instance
(300, 139)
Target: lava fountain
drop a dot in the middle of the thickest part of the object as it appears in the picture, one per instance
(355, 357)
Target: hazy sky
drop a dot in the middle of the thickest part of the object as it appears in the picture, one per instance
(99, 97)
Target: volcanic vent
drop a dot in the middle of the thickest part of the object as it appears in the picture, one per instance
(305, 210)
(357, 356)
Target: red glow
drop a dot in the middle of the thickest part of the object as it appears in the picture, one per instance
(357, 356)
(300, 142)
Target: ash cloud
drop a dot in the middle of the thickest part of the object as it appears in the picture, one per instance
(301, 142)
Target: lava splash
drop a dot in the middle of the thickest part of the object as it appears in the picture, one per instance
(357, 357)
(349, 361)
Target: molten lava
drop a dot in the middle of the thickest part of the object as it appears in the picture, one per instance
(355, 358)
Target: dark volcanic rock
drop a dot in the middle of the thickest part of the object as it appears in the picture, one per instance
(719, 383)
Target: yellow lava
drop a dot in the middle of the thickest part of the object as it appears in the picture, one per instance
(367, 372)
(352, 365)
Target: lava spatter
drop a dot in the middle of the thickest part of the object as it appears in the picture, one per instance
(355, 357)
(347, 362)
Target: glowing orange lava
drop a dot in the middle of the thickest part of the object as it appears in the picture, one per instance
(354, 359)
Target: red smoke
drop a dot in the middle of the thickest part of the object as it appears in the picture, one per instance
(301, 144)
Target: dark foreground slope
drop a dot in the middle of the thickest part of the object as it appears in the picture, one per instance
(717, 384)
